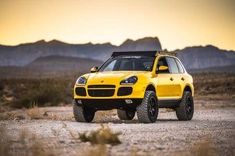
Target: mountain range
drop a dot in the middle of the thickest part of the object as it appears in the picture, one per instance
(53, 54)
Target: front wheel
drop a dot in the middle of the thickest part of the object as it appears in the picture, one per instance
(147, 111)
(186, 108)
(83, 114)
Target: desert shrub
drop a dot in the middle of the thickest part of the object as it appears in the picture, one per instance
(103, 135)
(42, 92)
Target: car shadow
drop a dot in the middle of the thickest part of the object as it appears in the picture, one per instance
(134, 121)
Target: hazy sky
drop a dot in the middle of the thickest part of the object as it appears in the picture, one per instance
(177, 23)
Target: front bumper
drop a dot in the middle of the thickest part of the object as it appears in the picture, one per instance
(108, 104)
(136, 91)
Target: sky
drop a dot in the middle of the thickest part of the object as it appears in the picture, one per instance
(177, 23)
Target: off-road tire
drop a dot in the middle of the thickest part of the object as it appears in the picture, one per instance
(145, 108)
(83, 114)
(125, 114)
(186, 108)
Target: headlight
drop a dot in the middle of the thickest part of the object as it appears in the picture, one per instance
(81, 80)
(130, 80)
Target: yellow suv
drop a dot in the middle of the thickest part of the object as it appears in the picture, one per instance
(132, 82)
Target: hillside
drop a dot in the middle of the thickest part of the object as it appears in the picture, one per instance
(199, 57)
(59, 56)
(61, 63)
(24, 54)
(50, 66)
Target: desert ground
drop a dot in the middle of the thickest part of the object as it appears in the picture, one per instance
(52, 130)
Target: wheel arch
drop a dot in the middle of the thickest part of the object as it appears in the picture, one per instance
(188, 88)
(150, 87)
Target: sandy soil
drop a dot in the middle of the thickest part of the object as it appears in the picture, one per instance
(211, 128)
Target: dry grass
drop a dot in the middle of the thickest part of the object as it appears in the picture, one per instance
(27, 143)
(34, 113)
(23, 93)
(214, 86)
(103, 135)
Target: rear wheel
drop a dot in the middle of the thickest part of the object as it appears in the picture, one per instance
(125, 114)
(83, 114)
(147, 111)
(186, 109)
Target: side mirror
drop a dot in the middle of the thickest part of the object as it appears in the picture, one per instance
(162, 68)
(94, 69)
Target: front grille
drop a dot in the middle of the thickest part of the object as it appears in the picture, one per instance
(81, 91)
(101, 86)
(101, 92)
(123, 91)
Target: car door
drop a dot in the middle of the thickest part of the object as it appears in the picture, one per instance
(164, 81)
(176, 88)
(168, 85)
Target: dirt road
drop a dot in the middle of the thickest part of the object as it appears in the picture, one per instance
(212, 129)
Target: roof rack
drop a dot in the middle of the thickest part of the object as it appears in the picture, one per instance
(172, 53)
(142, 53)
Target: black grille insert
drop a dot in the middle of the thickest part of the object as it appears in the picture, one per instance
(101, 86)
(101, 92)
(80, 91)
(123, 91)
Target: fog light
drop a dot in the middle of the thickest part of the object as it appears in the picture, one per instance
(79, 101)
(128, 101)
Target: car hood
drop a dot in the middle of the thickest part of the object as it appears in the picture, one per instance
(113, 77)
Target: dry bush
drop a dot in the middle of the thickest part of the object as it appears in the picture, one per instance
(44, 92)
(103, 135)
(34, 112)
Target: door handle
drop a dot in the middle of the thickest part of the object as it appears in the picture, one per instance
(182, 79)
(171, 79)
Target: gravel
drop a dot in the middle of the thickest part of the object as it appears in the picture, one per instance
(212, 129)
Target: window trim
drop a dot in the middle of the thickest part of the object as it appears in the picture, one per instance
(156, 69)
(178, 62)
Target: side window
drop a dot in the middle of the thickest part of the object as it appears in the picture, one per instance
(110, 66)
(162, 62)
(172, 65)
(181, 69)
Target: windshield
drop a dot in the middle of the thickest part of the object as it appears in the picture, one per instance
(128, 63)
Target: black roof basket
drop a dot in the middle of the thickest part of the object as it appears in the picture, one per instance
(142, 53)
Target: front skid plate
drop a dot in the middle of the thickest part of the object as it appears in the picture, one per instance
(108, 104)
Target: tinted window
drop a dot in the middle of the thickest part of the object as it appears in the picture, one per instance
(110, 66)
(172, 65)
(181, 69)
(128, 63)
(162, 62)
